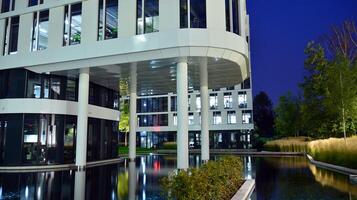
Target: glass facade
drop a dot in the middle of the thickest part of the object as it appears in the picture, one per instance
(40, 30)
(153, 120)
(11, 35)
(7, 5)
(108, 19)
(158, 104)
(72, 24)
(50, 139)
(21, 83)
(193, 14)
(147, 16)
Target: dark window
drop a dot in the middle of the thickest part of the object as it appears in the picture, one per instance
(11, 35)
(71, 90)
(232, 16)
(246, 84)
(153, 120)
(147, 16)
(108, 19)
(12, 83)
(158, 104)
(34, 85)
(174, 103)
(198, 14)
(7, 5)
(183, 14)
(35, 2)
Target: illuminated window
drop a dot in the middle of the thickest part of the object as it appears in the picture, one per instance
(242, 99)
(191, 119)
(228, 101)
(198, 102)
(72, 24)
(217, 118)
(147, 16)
(213, 101)
(40, 30)
(231, 117)
(108, 19)
(246, 116)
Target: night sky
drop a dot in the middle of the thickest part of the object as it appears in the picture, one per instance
(280, 30)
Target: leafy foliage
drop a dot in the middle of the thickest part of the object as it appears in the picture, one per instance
(216, 180)
(288, 120)
(263, 115)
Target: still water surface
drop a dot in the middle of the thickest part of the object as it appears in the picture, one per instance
(276, 178)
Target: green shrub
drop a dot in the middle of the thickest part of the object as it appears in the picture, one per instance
(169, 145)
(216, 180)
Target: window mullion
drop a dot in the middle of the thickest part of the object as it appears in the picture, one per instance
(143, 15)
(7, 38)
(38, 29)
(188, 13)
(69, 23)
(104, 18)
(231, 15)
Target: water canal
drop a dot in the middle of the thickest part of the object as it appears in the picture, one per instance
(276, 178)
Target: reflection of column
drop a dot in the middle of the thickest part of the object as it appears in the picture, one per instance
(132, 117)
(82, 119)
(204, 111)
(132, 180)
(80, 185)
(182, 116)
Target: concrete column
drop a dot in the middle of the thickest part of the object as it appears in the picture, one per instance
(2, 34)
(89, 21)
(132, 117)
(204, 111)
(82, 119)
(242, 18)
(182, 115)
(25, 27)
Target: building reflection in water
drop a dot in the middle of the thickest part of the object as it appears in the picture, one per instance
(80, 185)
(133, 180)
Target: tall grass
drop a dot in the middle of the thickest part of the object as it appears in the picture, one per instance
(335, 151)
(292, 144)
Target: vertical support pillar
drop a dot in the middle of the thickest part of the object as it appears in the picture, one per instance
(132, 111)
(204, 111)
(82, 119)
(182, 115)
(242, 17)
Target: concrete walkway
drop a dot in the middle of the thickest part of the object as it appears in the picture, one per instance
(245, 190)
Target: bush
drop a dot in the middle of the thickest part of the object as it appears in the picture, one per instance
(216, 180)
(169, 145)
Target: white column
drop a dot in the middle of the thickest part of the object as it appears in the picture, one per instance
(89, 21)
(182, 116)
(2, 34)
(242, 17)
(55, 27)
(132, 117)
(204, 111)
(82, 119)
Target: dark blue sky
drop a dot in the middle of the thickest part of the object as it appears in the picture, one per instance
(280, 30)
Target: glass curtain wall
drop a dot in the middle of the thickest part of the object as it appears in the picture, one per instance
(7, 5)
(72, 24)
(232, 16)
(147, 16)
(193, 14)
(107, 19)
(40, 30)
(11, 35)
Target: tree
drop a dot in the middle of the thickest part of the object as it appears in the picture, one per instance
(287, 119)
(263, 115)
(330, 86)
(124, 110)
